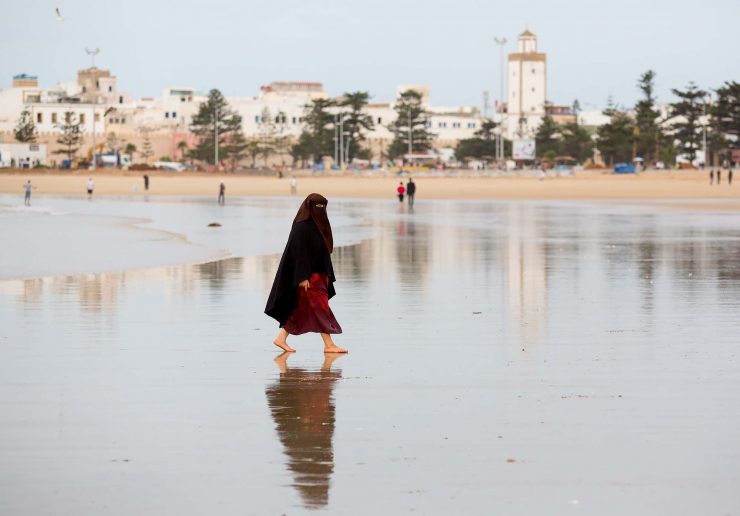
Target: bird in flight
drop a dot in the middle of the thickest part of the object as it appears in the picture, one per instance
(59, 14)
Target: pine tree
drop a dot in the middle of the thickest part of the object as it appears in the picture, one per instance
(411, 117)
(356, 123)
(575, 142)
(235, 148)
(317, 139)
(615, 138)
(70, 137)
(687, 113)
(481, 146)
(547, 137)
(213, 114)
(648, 135)
(25, 130)
(726, 117)
(146, 144)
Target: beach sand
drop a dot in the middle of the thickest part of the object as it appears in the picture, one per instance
(584, 186)
(505, 358)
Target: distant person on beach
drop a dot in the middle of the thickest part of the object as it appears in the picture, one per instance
(222, 193)
(146, 182)
(411, 191)
(304, 282)
(90, 188)
(719, 175)
(27, 187)
(729, 176)
(293, 185)
(400, 191)
(711, 177)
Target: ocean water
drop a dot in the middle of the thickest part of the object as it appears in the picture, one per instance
(505, 357)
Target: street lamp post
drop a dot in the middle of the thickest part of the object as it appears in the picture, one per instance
(411, 137)
(707, 100)
(215, 138)
(501, 42)
(341, 142)
(92, 53)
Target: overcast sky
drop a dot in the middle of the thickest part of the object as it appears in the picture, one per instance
(594, 48)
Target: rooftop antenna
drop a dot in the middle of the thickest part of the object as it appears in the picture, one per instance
(485, 103)
(92, 53)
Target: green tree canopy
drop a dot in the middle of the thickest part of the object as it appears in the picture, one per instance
(70, 136)
(213, 116)
(317, 138)
(615, 138)
(687, 113)
(482, 146)
(575, 141)
(411, 120)
(726, 117)
(547, 136)
(356, 123)
(25, 130)
(648, 134)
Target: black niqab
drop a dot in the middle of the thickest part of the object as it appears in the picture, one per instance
(314, 207)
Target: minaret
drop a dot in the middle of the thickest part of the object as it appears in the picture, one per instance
(527, 88)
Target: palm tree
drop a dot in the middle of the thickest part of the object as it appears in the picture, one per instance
(182, 146)
(130, 149)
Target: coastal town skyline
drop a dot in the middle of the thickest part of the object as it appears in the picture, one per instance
(592, 55)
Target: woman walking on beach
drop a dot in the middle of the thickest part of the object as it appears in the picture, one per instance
(304, 282)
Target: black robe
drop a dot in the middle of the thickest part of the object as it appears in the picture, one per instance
(305, 253)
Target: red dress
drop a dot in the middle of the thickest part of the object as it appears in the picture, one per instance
(312, 312)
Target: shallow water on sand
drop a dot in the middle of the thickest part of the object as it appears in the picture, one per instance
(511, 358)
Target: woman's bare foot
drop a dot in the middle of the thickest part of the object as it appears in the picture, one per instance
(329, 346)
(281, 341)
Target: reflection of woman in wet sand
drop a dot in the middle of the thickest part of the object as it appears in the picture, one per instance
(304, 282)
(302, 407)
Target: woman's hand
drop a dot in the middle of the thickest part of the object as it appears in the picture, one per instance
(304, 284)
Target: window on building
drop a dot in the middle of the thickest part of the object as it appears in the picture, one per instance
(532, 108)
(428, 125)
(294, 120)
(122, 121)
(84, 89)
(82, 118)
(442, 125)
(174, 114)
(471, 125)
(300, 119)
(110, 88)
(532, 89)
(39, 118)
(53, 118)
(456, 125)
(97, 117)
(534, 71)
(166, 114)
(257, 119)
(380, 120)
(97, 84)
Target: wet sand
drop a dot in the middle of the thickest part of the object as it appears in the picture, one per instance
(583, 186)
(505, 357)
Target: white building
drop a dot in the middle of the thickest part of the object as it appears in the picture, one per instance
(22, 155)
(527, 88)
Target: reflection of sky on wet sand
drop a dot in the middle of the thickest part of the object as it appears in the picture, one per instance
(596, 346)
